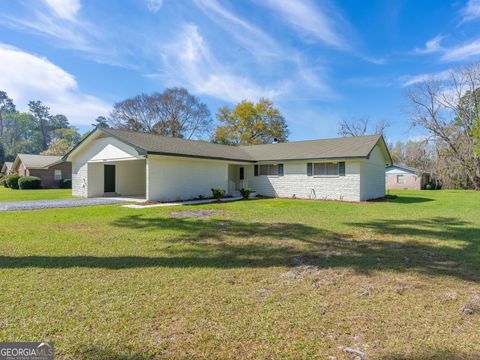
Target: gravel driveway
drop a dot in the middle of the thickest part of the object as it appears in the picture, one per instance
(51, 204)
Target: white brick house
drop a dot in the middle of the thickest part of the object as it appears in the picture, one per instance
(124, 163)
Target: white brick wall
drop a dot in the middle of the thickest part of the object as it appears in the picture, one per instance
(373, 176)
(177, 178)
(295, 182)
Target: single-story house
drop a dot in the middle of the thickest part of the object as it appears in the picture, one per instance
(6, 168)
(111, 162)
(50, 169)
(403, 177)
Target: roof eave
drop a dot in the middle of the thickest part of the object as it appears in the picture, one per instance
(199, 156)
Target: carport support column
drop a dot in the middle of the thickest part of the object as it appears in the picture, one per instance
(147, 179)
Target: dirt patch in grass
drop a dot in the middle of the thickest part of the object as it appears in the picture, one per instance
(197, 214)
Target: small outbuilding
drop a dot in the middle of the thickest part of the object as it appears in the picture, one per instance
(403, 177)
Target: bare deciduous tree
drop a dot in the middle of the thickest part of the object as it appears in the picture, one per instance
(174, 112)
(449, 111)
(360, 127)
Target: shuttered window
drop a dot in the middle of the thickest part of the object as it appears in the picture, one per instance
(326, 169)
(270, 169)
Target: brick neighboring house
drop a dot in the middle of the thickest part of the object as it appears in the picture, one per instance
(403, 177)
(50, 169)
(6, 168)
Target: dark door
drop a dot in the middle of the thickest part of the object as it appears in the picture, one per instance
(109, 178)
(241, 173)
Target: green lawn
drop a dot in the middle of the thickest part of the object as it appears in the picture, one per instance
(258, 279)
(42, 194)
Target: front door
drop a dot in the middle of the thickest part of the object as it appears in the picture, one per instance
(109, 178)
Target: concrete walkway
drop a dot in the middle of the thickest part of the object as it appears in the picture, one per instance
(52, 204)
(193, 202)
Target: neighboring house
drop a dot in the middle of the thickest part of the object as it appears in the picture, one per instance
(112, 162)
(6, 168)
(403, 177)
(50, 169)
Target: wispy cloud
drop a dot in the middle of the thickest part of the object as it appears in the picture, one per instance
(65, 9)
(471, 11)
(190, 62)
(251, 37)
(154, 6)
(312, 20)
(67, 29)
(415, 79)
(431, 46)
(31, 77)
(462, 52)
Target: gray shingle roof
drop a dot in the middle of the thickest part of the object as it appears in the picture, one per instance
(353, 147)
(168, 145)
(38, 161)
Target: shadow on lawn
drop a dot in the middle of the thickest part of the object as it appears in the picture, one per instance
(407, 199)
(220, 243)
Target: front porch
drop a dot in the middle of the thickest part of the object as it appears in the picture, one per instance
(236, 179)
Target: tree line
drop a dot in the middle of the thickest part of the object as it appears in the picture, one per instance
(173, 112)
(37, 131)
(448, 110)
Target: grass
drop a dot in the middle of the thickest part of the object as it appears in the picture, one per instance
(42, 194)
(251, 279)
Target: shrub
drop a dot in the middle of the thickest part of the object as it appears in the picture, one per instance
(29, 182)
(245, 192)
(12, 181)
(65, 184)
(218, 193)
(428, 187)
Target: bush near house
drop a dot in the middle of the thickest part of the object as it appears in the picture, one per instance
(245, 192)
(2, 180)
(218, 193)
(12, 181)
(65, 184)
(29, 182)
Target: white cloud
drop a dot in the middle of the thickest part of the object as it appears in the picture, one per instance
(65, 9)
(154, 6)
(462, 52)
(311, 20)
(190, 63)
(415, 79)
(471, 11)
(30, 77)
(250, 36)
(431, 46)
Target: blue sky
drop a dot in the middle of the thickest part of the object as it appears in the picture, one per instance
(319, 61)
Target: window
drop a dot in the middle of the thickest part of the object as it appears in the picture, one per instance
(400, 179)
(268, 169)
(58, 175)
(325, 169)
(271, 169)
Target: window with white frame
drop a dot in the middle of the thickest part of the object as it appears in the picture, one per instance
(57, 175)
(400, 179)
(325, 169)
(268, 169)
